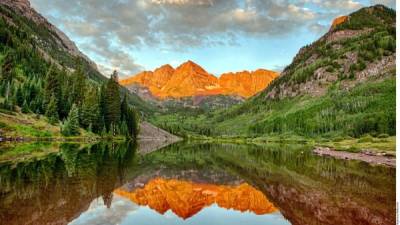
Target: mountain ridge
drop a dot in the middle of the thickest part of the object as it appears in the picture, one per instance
(24, 8)
(190, 79)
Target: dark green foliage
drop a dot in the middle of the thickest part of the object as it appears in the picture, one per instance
(387, 43)
(51, 110)
(71, 125)
(7, 69)
(112, 107)
(52, 88)
(366, 109)
(330, 69)
(90, 111)
(124, 108)
(78, 86)
(19, 98)
(8, 104)
(25, 107)
(132, 122)
(369, 17)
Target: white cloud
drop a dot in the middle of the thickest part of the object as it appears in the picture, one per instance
(183, 2)
(98, 213)
(110, 29)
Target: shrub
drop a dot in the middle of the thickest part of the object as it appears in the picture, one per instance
(330, 69)
(366, 138)
(383, 135)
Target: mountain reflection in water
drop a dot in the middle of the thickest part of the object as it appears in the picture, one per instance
(186, 199)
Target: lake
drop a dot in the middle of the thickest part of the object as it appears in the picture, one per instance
(189, 183)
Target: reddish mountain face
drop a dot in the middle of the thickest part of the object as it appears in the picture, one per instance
(246, 84)
(189, 79)
(186, 198)
(339, 20)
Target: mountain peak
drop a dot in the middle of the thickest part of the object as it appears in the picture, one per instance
(166, 69)
(190, 68)
(190, 63)
(339, 20)
(166, 66)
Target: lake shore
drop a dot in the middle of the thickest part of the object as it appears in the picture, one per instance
(365, 156)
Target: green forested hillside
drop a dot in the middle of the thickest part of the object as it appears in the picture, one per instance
(341, 85)
(38, 77)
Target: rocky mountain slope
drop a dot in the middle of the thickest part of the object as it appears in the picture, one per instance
(357, 47)
(343, 84)
(189, 79)
(52, 41)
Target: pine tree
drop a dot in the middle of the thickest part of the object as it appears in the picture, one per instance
(112, 104)
(78, 85)
(132, 122)
(66, 96)
(8, 104)
(52, 87)
(71, 125)
(19, 97)
(7, 69)
(90, 111)
(102, 104)
(37, 104)
(25, 107)
(51, 110)
(124, 108)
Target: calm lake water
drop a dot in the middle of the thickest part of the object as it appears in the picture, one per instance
(190, 183)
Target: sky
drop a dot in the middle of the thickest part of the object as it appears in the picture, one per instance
(220, 35)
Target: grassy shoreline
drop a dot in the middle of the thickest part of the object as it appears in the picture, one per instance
(21, 127)
(386, 144)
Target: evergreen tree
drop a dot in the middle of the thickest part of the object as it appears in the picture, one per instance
(78, 85)
(19, 97)
(7, 90)
(51, 110)
(7, 69)
(25, 107)
(102, 104)
(36, 104)
(8, 104)
(124, 108)
(71, 125)
(52, 87)
(112, 104)
(132, 122)
(66, 96)
(90, 111)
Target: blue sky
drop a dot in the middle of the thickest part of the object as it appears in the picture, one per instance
(220, 35)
